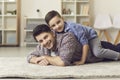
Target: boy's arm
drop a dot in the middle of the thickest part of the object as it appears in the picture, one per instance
(84, 55)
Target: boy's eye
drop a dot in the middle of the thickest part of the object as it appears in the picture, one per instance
(58, 22)
(52, 26)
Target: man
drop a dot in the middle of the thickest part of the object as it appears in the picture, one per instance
(65, 47)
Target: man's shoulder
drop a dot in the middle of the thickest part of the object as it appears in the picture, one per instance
(65, 36)
(68, 34)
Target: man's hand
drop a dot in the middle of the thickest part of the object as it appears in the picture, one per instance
(46, 60)
(39, 60)
(43, 62)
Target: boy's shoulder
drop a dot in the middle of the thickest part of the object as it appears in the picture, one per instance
(73, 24)
(70, 23)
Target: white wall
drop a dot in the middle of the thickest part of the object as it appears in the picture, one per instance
(29, 7)
(107, 6)
(111, 7)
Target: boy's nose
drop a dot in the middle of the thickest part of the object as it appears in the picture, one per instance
(56, 27)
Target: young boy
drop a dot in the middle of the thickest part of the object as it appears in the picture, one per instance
(87, 36)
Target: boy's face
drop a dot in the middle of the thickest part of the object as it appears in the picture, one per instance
(46, 39)
(57, 24)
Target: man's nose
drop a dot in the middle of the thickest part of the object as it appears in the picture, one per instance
(56, 26)
(44, 43)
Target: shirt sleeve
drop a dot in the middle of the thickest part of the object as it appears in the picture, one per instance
(82, 37)
(67, 49)
(80, 33)
(39, 51)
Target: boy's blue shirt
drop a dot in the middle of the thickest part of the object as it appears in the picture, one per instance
(82, 33)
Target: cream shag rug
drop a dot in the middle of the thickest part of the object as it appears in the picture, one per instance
(18, 67)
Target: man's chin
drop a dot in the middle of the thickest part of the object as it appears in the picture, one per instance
(49, 48)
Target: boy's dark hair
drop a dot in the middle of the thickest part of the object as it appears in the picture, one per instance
(50, 15)
(40, 29)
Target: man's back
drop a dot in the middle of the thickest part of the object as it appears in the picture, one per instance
(69, 47)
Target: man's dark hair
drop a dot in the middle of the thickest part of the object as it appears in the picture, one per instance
(40, 29)
(50, 15)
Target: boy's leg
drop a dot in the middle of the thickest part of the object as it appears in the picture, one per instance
(91, 58)
(98, 51)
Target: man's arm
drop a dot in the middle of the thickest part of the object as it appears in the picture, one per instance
(35, 56)
(55, 60)
(45, 60)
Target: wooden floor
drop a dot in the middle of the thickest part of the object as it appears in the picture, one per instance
(15, 51)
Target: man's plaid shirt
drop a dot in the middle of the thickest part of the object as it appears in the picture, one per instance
(67, 48)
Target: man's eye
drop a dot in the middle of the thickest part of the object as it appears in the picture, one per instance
(46, 37)
(40, 41)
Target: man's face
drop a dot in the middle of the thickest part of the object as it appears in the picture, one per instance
(46, 39)
(57, 24)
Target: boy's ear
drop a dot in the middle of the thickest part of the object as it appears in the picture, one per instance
(62, 18)
(53, 33)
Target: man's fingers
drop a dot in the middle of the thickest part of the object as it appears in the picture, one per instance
(44, 62)
(39, 59)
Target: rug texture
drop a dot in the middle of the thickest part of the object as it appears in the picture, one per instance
(18, 67)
